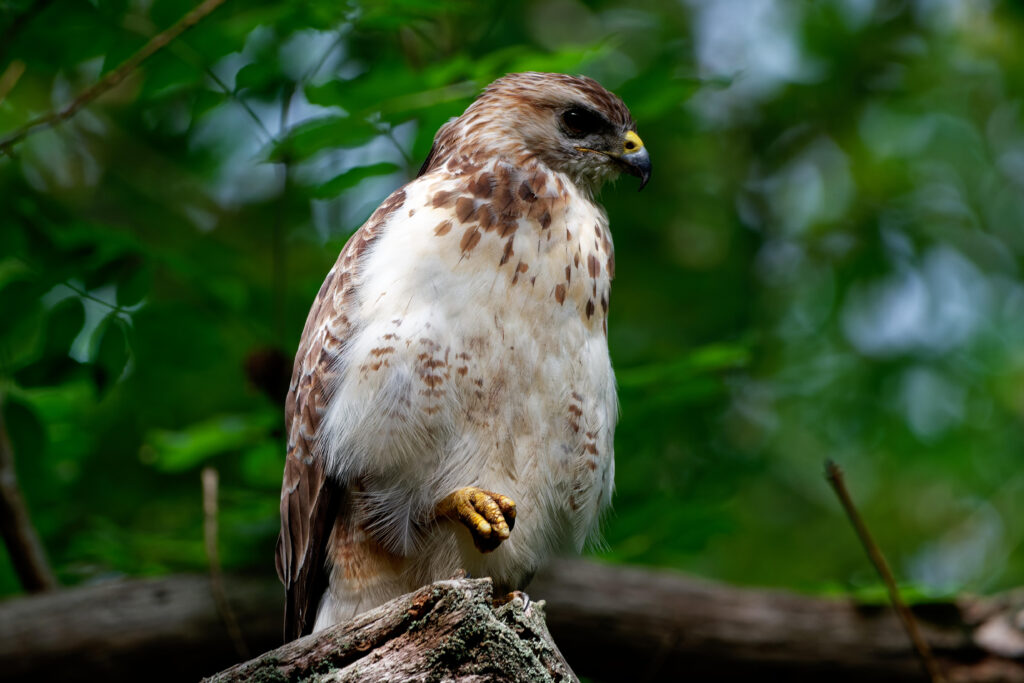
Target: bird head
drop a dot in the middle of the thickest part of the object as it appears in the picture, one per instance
(570, 123)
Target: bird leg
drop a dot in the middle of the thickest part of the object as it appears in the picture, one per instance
(489, 516)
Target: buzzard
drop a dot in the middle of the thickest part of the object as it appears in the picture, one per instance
(452, 404)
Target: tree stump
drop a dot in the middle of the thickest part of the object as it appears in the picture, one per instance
(448, 631)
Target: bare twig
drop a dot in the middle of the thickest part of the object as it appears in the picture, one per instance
(835, 477)
(19, 535)
(311, 74)
(220, 596)
(113, 78)
(409, 163)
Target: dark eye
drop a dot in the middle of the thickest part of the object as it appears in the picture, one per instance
(580, 122)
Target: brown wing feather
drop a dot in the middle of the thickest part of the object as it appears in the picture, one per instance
(310, 500)
(307, 515)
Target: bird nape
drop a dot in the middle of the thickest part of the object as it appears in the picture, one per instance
(452, 404)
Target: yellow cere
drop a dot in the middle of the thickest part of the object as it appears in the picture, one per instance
(632, 143)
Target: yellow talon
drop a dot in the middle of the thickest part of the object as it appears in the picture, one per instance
(488, 516)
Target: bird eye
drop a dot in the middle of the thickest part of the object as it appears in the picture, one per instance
(580, 122)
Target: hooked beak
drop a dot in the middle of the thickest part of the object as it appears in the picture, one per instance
(634, 158)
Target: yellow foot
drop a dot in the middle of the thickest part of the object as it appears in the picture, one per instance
(488, 516)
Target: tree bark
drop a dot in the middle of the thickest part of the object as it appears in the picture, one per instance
(449, 630)
(611, 623)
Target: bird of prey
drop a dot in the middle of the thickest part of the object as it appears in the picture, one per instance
(452, 403)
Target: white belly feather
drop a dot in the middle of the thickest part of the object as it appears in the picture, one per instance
(462, 372)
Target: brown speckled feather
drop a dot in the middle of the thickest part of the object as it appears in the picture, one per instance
(310, 501)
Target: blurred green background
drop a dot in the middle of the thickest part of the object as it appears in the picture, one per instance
(826, 263)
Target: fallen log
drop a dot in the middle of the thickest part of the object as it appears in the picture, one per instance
(167, 627)
(623, 623)
(611, 623)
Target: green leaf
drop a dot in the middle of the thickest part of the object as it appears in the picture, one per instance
(21, 313)
(53, 365)
(712, 358)
(24, 428)
(261, 464)
(121, 267)
(63, 325)
(350, 178)
(396, 92)
(328, 132)
(177, 451)
(258, 76)
(111, 352)
(167, 75)
(366, 91)
(19, 299)
(134, 285)
(12, 240)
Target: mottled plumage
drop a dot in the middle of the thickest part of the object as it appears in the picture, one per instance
(460, 341)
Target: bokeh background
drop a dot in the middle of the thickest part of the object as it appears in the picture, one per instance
(827, 263)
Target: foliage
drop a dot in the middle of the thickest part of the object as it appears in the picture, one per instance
(827, 262)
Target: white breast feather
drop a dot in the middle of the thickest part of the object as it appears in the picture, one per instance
(454, 377)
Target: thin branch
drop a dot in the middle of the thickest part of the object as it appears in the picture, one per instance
(220, 596)
(116, 308)
(835, 477)
(19, 535)
(409, 163)
(189, 55)
(113, 78)
(233, 94)
(192, 57)
(323, 58)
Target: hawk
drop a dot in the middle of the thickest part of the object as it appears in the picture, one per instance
(452, 403)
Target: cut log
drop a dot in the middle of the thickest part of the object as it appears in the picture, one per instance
(449, 630)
